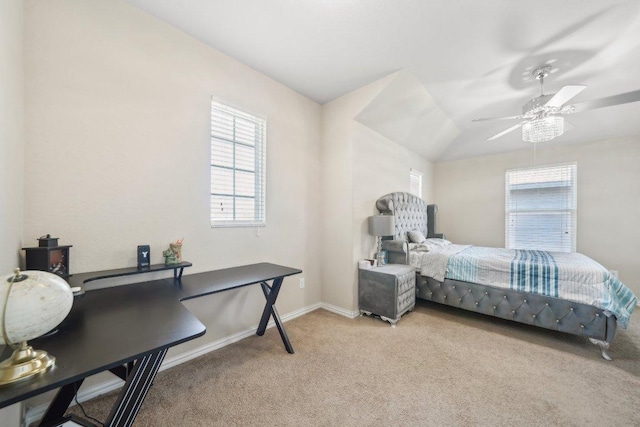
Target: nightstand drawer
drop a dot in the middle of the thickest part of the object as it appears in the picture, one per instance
(387, 291)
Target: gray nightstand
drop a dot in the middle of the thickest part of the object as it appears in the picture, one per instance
(388, 291)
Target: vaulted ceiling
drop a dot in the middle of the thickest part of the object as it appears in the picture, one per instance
(470, 58)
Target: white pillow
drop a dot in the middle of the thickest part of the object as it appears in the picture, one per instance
(419, 247)
(438, 242)
(416, 236)
(429, 245)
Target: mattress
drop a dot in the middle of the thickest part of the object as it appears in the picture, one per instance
(568, 276)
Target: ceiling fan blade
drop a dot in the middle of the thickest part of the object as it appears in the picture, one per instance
(608, 101)
(564, 95)
(496, 118)
(506, 131)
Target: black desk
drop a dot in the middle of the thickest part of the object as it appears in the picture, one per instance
(128, 330)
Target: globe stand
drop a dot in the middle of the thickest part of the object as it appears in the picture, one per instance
(24, 363)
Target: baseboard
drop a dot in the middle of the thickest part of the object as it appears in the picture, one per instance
(34, 414)
(339, 310)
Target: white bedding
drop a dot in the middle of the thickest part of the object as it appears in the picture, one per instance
(432, 261)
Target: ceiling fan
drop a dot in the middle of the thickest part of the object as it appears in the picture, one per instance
(542, 117)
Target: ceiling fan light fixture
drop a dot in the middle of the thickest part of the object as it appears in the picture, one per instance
(543, 129)
(541, 118)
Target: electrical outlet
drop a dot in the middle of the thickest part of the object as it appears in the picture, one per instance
(302, 283)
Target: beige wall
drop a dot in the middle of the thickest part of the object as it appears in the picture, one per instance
(11, 134)
(11, 152)
(358, 166)
(470, 197)
(118, 134)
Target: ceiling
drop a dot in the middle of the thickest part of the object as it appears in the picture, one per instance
(473, 58)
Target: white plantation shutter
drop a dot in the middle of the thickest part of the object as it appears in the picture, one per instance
(541, 207)
(415, 182)
(238, 160)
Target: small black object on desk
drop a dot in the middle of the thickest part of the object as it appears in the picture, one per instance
(48, 256)
(144, 255)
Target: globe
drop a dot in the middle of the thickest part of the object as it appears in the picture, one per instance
(32, 303)
(37, 303)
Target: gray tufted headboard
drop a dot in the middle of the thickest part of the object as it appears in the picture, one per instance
(411, 213)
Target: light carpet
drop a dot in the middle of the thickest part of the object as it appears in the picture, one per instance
(440, 366)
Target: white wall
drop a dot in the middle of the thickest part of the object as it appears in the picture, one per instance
(470, 198)
(117, 113)
(358, 167)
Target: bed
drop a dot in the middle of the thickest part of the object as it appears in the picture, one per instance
(564, 292)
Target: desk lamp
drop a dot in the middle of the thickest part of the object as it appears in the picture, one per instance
(32, 303)
(379, 226)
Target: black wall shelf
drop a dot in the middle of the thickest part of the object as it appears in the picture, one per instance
(119, 272)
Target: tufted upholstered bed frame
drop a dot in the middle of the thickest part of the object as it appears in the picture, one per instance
(412, 213)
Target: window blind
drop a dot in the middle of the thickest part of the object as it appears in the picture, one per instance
(238, 163)
(541, 208)
(415, 182)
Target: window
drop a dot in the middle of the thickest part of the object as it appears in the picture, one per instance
(541, 208)
(238, 160)
(415, 182)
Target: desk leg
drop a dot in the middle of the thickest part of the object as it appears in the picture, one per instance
(135, 390)
(61, 402)
(271, 294)
(123, 370)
